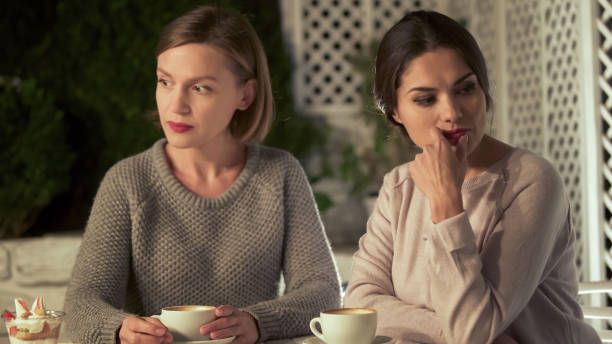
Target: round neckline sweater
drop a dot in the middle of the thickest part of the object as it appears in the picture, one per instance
(504, 265)
(151, 243)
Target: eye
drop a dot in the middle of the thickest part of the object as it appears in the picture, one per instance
(202, 89)
(425, 100)
(467, 88)
(163, 82)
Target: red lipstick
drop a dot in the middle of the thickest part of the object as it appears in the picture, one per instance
(179, 127)
(453, 135)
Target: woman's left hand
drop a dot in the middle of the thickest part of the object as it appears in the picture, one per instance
(439, 172)
(232, 322)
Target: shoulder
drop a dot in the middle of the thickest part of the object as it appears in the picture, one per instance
(399, 176)
(397, 185)
(278, 162)
(277, 157)
(524, 168)
(534, 177)
(278, 169)
(135, 173)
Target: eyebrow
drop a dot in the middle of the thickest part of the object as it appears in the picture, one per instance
(427, 89)
(199, 78)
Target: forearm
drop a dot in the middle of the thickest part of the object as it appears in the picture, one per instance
(476, 303)
(94, 298)
(396, 318)
(89, 318)
(311, 277)
(289, 315)
(467, 305)
(97, 289)
(371, 286)
(446, 206)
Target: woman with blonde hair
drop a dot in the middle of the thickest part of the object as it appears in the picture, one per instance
(207, 215)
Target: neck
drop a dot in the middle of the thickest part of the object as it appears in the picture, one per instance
(488, 152)
(206, 162)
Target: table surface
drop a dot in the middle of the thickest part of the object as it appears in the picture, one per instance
(298, 340)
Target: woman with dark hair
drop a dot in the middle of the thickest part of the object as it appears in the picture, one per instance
(472, 242)
(207, 215)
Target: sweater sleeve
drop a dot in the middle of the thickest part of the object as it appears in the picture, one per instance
(371, 283)
(97, 289)
(474, 304)
(311, 277)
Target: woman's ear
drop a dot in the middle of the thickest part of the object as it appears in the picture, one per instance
(249, 90)
(396, 117)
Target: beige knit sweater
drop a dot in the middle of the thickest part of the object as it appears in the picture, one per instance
(151, 243)
(506, 264)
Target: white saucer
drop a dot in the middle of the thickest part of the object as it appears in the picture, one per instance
(313, 340)
(212, 341)
(377, 340)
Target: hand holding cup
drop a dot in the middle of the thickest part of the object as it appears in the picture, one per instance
(143, 330)
(232, 322)
(184, 322)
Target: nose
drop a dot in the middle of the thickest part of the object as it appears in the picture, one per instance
(450, 110)
(178, 102)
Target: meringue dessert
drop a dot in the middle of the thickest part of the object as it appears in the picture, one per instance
(32, 326)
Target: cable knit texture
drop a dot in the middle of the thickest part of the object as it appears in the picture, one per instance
(151, 243)
(506, 264)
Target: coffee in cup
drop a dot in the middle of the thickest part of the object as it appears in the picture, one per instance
(184, 322)
(346, 326)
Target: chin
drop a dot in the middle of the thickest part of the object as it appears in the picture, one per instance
(180, 142)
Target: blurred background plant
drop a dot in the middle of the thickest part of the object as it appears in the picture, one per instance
(390, 147)
(35, 158)
(93, 65)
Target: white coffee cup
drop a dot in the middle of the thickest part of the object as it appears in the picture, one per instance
(184, 322)
(346, 326)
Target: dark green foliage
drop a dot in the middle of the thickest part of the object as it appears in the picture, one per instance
(35, 158)
(323, 200)
(95, 60)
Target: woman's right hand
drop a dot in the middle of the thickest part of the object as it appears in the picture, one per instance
(137, 330)
(438, 173)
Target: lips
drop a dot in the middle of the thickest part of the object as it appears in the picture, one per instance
(179, 127)
(453, 136)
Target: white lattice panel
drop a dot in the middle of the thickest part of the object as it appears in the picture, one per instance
(386, 13)
(325, 33)
(485, 29)
(604, 25)
(461, 11)
(543, 90)
(562, 108)
(523, 67)
(329, 33)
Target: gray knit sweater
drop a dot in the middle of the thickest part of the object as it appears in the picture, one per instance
(151, 243)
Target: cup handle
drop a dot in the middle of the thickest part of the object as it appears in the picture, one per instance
(156, 316)
(313, 328)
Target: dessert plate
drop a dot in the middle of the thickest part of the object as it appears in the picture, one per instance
(377, 340)
(212, 341)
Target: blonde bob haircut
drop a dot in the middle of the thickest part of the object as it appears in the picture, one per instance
(234, 35)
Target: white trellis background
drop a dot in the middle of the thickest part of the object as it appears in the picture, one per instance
(550, 67)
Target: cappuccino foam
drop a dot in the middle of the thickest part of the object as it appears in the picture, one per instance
(349, 311)
(188, 308)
